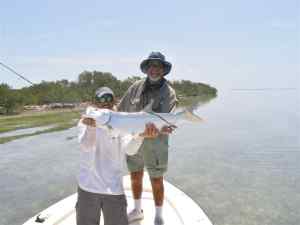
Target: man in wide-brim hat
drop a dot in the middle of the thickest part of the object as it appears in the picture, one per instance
(153, 153)
(156, 58)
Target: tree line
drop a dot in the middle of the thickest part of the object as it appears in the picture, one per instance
(64, 91)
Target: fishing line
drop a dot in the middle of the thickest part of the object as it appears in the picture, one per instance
(13, 71)
(163, 119)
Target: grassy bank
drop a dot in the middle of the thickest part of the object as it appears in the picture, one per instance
(61, 119)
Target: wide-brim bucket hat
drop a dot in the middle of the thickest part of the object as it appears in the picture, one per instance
(157, 56)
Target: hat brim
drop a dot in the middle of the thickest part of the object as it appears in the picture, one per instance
(167, 65)
(103, 91)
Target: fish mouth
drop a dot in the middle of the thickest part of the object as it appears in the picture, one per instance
(106, 107)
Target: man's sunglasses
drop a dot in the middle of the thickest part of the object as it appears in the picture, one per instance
(104, 98)
(156, 64)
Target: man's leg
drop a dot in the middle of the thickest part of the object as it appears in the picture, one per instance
(135, 164)
(158, 195)
(137, 189)
(158, 190)
(156, 161)
(137, 184)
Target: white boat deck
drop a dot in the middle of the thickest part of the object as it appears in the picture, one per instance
(179, 209)
(148, 205)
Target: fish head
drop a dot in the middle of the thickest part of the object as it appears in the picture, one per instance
(102, 116)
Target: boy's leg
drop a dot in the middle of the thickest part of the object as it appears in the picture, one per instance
(88, 208)
(114, 209)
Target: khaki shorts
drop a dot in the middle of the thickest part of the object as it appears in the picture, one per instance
(153, 154)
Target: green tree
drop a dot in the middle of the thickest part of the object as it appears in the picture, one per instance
(83, 89)
(10, 100)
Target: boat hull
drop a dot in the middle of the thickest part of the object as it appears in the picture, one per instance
(179, 209)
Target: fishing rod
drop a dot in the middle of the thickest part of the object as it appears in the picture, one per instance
(16, 73)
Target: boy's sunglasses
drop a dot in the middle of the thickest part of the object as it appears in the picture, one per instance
(104, 98)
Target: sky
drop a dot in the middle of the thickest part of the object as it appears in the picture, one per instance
(227, 44)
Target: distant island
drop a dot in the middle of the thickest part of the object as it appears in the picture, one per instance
(12, 101)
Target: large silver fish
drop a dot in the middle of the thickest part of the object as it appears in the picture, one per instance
(134, 122)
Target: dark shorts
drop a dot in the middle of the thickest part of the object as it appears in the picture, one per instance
(89, 206)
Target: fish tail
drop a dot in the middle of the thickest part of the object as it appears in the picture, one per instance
(189, 115)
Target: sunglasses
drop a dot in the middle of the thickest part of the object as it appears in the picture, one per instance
(104, 98)
(156, 64)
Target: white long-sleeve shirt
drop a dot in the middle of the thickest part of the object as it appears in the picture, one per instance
(102, 159)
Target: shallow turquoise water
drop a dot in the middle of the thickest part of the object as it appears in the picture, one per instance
(241, 165)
